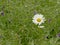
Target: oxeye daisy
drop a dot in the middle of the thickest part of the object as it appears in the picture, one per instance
(38, 19)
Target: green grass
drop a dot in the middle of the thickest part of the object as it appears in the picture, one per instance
(17, 28)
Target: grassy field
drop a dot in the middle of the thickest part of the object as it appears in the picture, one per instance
(17, 28)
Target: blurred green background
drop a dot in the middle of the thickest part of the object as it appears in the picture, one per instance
(17, 28)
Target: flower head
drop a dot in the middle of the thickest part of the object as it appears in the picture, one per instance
(38, 19)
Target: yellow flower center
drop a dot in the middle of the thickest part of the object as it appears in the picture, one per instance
(38, 20)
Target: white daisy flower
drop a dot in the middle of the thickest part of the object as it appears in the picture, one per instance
(38, 19)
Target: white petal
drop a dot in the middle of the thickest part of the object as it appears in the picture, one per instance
(34, 21)
(41, 26)
(40, 23)
(38, 16)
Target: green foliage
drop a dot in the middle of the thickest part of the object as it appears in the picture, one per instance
(17, 28)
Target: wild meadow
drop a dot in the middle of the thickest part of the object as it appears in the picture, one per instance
(17, 27)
